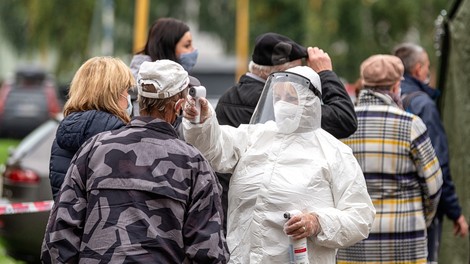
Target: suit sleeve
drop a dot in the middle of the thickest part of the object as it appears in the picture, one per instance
(350, 220)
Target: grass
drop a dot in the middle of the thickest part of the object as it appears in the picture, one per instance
(5, 259)
(5, 144)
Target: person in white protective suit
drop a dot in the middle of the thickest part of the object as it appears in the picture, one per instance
(283, 161)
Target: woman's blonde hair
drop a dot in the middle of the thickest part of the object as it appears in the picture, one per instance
(98, 85)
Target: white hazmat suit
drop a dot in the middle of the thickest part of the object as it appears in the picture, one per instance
(278, 167)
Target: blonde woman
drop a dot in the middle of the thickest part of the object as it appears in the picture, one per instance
(98, 100)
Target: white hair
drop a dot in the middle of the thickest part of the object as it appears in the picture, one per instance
(264, 71)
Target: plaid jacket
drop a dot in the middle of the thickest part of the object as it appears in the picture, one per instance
(403, 178)
(137, 195)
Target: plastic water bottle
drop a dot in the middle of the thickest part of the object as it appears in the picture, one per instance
(298, 253)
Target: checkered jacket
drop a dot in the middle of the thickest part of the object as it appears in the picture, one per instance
(403, 178)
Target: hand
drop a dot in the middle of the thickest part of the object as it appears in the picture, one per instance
(302, 225)
(460, 227)
(318, 60)
(190, 111)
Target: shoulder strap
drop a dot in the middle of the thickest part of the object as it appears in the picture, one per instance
(406, 99)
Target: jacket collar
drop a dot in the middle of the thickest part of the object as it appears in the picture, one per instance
(255, 77)
(411, 84)
(153, 124)
(370, 97)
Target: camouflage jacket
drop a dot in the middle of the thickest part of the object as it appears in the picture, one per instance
(137, 195)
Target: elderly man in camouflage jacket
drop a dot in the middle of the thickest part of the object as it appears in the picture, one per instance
(139, 194)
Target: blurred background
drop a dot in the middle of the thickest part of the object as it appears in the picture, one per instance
(61, 34)
(54, 37)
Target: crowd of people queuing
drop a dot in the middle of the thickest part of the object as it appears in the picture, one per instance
(135, 179)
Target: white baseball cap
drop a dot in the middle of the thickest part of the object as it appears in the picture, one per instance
(168, 78)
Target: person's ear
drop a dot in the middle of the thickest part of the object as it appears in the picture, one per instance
(179, 104)
(416, 70)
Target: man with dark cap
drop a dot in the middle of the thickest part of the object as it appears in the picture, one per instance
(272, 53)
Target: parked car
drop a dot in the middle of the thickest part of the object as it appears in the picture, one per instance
(26, 101)
(26, 179)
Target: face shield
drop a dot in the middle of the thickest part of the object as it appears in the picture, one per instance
(283, 101)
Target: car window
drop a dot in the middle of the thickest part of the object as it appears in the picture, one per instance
(35, 138)
(26, 79)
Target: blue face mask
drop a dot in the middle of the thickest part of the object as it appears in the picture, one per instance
(188, 60)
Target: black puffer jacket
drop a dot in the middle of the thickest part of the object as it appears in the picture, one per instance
(72, 132)
(237, 104)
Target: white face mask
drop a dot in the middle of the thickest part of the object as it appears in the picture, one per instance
(129, 105)
(286, 116)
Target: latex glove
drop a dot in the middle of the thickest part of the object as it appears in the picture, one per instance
(460, 226)
(318, 60)
(302, 225)
(190, 111)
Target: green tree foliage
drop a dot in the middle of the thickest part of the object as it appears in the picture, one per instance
(349, 30)
(218, 17)
(72, 29)
(271, 16)
(14, 23)
(41, 26)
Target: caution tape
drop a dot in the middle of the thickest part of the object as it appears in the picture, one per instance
(28, 207)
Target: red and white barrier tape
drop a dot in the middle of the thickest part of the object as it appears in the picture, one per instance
(29, 207)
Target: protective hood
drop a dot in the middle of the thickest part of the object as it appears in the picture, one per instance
(291, 99)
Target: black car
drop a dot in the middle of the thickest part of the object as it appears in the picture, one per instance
(26, 180)
(26, 101)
